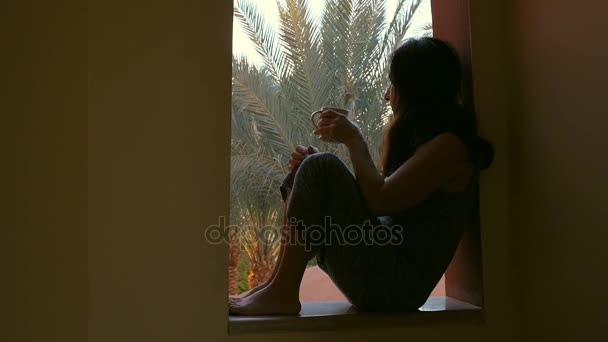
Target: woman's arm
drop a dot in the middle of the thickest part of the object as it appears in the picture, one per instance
(431, 168)
(370, 180)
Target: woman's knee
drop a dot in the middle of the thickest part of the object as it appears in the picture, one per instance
(322, 162)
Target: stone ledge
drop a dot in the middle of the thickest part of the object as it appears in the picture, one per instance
(330, 316)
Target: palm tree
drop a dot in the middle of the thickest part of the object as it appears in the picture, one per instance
(338, 59)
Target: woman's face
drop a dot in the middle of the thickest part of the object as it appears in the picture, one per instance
(392, 97)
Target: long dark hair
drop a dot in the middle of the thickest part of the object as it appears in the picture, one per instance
(428, 77)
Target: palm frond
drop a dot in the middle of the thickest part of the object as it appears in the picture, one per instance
(262, 36)
(255, 94)
(368, 24)
(255, 180)
(336, 34)
(397, 29)
(425, 30)
(300, 38)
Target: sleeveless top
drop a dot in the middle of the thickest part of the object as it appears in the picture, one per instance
(433, 229)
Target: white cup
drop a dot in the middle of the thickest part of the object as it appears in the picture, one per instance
(335, 109)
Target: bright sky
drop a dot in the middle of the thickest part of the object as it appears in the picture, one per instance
(241, 46)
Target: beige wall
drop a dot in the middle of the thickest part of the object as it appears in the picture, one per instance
(560, 166)
(123, 185)
(44, 172)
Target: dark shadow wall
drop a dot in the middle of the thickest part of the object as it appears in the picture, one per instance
(44, 171)
(559, 168)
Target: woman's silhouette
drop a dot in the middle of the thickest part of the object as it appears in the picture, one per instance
(385, 237)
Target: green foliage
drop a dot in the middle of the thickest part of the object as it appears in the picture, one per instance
(243, 270)
(312, 262)
(339, 59)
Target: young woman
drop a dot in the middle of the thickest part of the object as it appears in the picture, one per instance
(393, 232)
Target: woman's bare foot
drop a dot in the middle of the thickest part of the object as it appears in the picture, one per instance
(267, 301)
(239, 298)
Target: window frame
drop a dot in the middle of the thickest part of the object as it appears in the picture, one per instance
(463, 278)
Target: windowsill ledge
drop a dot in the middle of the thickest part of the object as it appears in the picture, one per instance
(323, 316)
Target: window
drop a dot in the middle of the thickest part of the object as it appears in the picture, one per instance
(290, 59)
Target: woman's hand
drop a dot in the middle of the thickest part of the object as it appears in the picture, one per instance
(298, 156)
(336, 127)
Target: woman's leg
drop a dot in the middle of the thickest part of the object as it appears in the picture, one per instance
(320, 179)
(325, 194)
(361, 253)
(280, 294)
(285, 188)
(239, 298)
